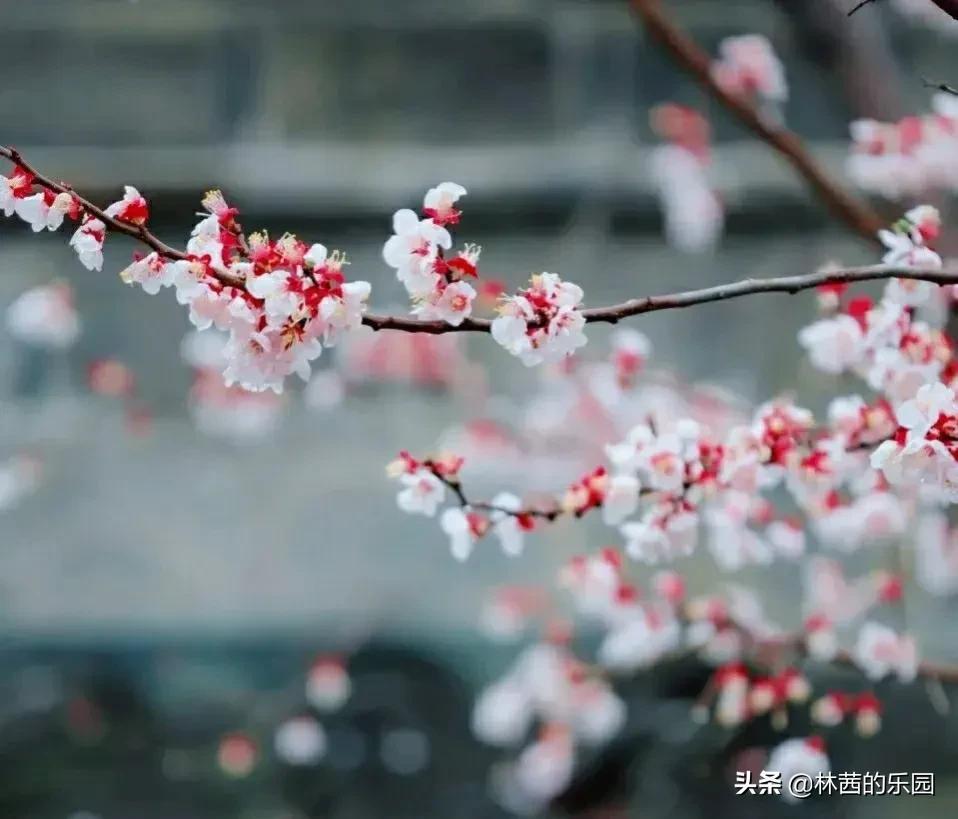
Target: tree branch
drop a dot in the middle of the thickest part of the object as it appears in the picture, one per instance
(940, 86)
(859, 6)
(858, 216)
(950, 7)
(611, 314)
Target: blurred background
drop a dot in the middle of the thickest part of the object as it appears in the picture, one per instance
(180, 560)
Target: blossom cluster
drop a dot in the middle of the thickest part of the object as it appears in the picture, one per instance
(438, 285)
(911, 157)
(748, 66)
(640, 628)
(543, 322)
(693, 213)
(758, 488)
(425, 485)
(299, 741)
(548, 687)
(45, 316)
(280, 301)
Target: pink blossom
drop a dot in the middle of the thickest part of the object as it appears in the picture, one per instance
(542, 323)
(798, 756)
(879, 651)
(88, 243)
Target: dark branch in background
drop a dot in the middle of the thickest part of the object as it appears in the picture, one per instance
(861, 5)
(950, 7)
(855, 214)
(611, 314)
(940, 86)
(858, 55)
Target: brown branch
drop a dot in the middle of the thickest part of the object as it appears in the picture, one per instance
(860, 5)
(140, 233)
(855, 214)
(950, 7)
(454, 485)
(940, 86)
(611, 314)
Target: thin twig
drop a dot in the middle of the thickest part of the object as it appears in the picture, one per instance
(860, 5)
(940, 86)
(857, 215)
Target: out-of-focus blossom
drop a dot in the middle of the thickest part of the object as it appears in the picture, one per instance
(237, 755)
(911, 157)
(798, 756)
(879, 651)
(327, 684)
(748, 66)
(45, 316)
(300, 741)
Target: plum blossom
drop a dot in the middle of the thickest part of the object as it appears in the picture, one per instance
(749, 66)
(45, 316)
(13, 189)
(131, 208)
(464, 528)
(503, 713)
(152, 273)
(300, 741)
(451, 304)
(906, 241)
(413, 249)
(508, 524)
(542, 323)
(439, 203)
(417, 251)
(911, 157)
(821, 640)
(640, 641)
(544, 769)
(46, 210)
(732, 542)
(870, 518)
(665, 532)
(787, 538)
(621, 499)
(88, 243)
(593, 581)
(600, 713)
(879, 651)
(694, 215)
(798, 756)
(19, 478)
(630, 351)
(508, 612)
(693, 212)
(422, 493)
(327, 684)
(925, 447)
(547, 685)
(833, 344)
